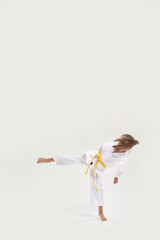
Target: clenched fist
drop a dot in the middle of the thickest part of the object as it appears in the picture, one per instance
(115, 180)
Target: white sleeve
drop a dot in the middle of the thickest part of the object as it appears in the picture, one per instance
(120, 169)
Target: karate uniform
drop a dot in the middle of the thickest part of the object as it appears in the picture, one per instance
(109, 158)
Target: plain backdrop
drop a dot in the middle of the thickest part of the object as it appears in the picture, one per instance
(74, 74)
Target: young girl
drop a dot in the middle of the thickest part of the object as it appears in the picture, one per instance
(107, 155)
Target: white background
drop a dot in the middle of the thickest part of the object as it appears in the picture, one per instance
(74, 74)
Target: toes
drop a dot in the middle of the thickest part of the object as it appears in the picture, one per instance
(103, 218)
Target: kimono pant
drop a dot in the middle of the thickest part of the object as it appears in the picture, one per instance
(96, 197)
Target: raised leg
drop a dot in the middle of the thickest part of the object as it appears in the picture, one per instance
(45, 160)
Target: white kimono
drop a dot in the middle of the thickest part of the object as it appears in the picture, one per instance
(109, 158)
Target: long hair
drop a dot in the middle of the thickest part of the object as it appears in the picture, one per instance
(126, 141)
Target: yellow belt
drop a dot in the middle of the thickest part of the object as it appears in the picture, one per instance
(99, 159)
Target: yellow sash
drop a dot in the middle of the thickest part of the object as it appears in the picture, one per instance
(99, 159)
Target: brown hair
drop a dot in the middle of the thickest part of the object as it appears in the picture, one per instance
(126, 142)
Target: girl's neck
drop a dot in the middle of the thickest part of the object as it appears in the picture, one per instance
(118, 152)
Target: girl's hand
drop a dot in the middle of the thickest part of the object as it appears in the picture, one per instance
(115, 180)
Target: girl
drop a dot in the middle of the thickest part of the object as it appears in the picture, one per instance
(107, 155)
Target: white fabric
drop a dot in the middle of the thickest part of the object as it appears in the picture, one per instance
(110, 159)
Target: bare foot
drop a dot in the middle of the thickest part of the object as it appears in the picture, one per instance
(102, 217)
(45, 160)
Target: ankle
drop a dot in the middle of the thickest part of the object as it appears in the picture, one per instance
(100, 210)
(101, 213)
(51, 159)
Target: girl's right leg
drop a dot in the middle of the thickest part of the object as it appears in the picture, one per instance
(64, 159)
(68, 159)
(45, 160)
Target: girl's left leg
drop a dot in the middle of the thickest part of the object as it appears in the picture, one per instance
(103, 218)
(97, 198)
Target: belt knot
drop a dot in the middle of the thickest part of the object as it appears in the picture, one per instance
(99, 159)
